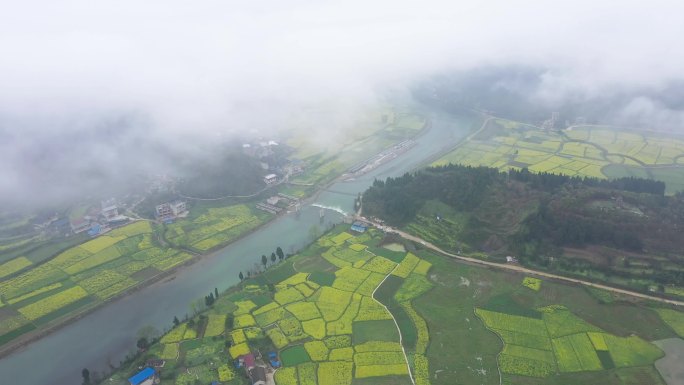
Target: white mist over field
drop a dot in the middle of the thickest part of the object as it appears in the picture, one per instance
(99, 86)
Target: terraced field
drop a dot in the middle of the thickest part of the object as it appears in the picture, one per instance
(595, 151)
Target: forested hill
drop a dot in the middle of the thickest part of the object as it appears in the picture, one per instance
(533, 216)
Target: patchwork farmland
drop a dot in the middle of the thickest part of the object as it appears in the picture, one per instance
(80, 278)
(349, 311)
(593, 151)
(327, 323)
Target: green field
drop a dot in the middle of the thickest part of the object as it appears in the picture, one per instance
(595, 151)
(533, 337)
(79, 277)
(458, 324)
(333, 330)
(674, 319)
(209, 227)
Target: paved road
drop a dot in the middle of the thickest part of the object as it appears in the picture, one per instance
(525, 270)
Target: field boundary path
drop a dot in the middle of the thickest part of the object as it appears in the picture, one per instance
(525, 270)
(401, 338)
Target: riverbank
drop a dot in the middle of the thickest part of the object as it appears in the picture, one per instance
(27, 339)
(105, 337)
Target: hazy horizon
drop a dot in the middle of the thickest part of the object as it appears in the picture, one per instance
(97, 85)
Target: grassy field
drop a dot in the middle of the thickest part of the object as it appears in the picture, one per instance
(595, 151)
(32, 295)
(557, 334)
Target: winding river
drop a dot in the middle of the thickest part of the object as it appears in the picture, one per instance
(106, 335)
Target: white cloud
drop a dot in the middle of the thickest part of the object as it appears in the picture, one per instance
(193, 66)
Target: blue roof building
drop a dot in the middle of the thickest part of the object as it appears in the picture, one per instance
(95, 230)
(359, 227)
(144, 377)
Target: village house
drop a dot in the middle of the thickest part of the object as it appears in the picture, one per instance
(170, 210)
(147, 376)
(256, 373)
(359, 227)
(270, 179)
(79, 225)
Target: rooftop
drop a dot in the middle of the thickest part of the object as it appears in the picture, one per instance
(249, 360)
(141, 376)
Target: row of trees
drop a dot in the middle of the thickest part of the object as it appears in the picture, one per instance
(549, 182)
(277, 255)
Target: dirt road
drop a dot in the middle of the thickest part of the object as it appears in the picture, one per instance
(520, 269)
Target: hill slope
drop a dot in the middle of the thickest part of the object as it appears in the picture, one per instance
(621, 228)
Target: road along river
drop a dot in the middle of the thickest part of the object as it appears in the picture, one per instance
(106, 335)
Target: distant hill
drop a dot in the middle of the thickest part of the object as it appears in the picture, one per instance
(230, 173)
(625, 227)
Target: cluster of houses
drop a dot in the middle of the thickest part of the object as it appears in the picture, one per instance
(277, 203)
(254, 367)
(255, 372)
(291, 170)
(260, 149)
(100, 221)
(263, 150)
(169, 211)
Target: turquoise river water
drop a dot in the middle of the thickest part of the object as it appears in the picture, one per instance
(106, 335)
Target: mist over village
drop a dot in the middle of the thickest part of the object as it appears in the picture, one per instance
(301, 193)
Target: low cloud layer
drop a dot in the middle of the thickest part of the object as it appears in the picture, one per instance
(84, 82)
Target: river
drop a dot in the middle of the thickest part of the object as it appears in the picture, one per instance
(106, 335)
(670, 366)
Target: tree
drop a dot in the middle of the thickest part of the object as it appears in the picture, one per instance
(176, 322)
(273, 258)
(216, 292)
(86, 376)
(280, 253)
(149, 332)
(142, 343)
(241, 276)
(209, 300)
(264, 260)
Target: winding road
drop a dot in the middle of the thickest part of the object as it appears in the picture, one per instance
(520, 269)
